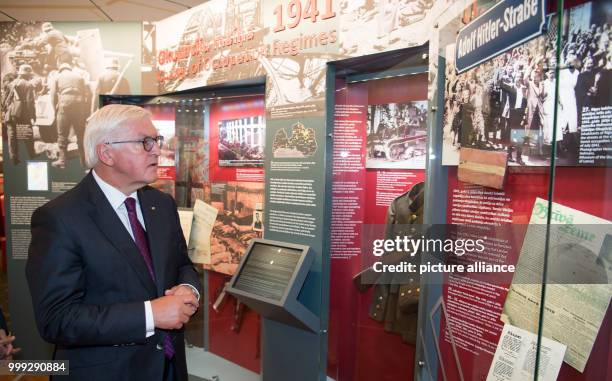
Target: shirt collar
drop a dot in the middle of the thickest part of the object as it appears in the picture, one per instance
(113, 195)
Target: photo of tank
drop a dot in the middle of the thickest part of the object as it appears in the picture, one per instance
(397, 135)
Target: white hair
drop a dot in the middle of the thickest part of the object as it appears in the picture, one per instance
(105, 124)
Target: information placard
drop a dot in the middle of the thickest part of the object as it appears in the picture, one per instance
(268, 270)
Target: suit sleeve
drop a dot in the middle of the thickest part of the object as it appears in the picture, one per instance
(56, 276)
(186, 272)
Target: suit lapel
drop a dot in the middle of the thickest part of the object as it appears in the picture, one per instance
(111, 226)
(154, 225)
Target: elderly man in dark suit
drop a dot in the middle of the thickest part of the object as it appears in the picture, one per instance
(111, 282)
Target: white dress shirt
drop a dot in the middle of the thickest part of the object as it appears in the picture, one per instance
(117, 200)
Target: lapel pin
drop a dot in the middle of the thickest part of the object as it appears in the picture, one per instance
(152, 208)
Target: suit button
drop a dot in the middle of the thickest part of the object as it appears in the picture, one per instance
(159, 347)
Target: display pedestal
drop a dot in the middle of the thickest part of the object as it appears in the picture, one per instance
(287, 353)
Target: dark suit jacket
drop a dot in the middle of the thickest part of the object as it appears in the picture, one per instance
(89, 282)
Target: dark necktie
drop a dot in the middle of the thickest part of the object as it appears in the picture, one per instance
(140, 237)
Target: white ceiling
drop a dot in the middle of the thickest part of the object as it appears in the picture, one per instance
(87, 10)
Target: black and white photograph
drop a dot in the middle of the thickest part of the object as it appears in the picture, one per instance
(258, 221)
(236, 203)
(508, 103)
(368, 26)
(397, 135)
(241, 141)
(52, 75)
(295, 80)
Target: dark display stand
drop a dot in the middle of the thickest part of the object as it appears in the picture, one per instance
(269, 280)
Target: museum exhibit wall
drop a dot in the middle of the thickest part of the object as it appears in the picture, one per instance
(320, 161)
(212, 44)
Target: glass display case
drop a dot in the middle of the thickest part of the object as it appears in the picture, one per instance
(379, 153)
(518, 156)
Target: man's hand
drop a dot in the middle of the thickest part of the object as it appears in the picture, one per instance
(173, 311)
(182, 289)
(6, 346)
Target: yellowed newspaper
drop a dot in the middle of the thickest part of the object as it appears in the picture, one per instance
(578, 288)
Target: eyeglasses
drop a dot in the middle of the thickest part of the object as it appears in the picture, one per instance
(147, 143)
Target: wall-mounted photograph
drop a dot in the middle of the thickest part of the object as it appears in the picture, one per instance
(397, 135)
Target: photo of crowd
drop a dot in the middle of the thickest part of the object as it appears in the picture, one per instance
(50, 85)
(508, 103)
(241, 141)
(397, 135)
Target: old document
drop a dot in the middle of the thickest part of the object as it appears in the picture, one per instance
(515, 356)
(204, 217)
(185, 219)
(578, 289)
